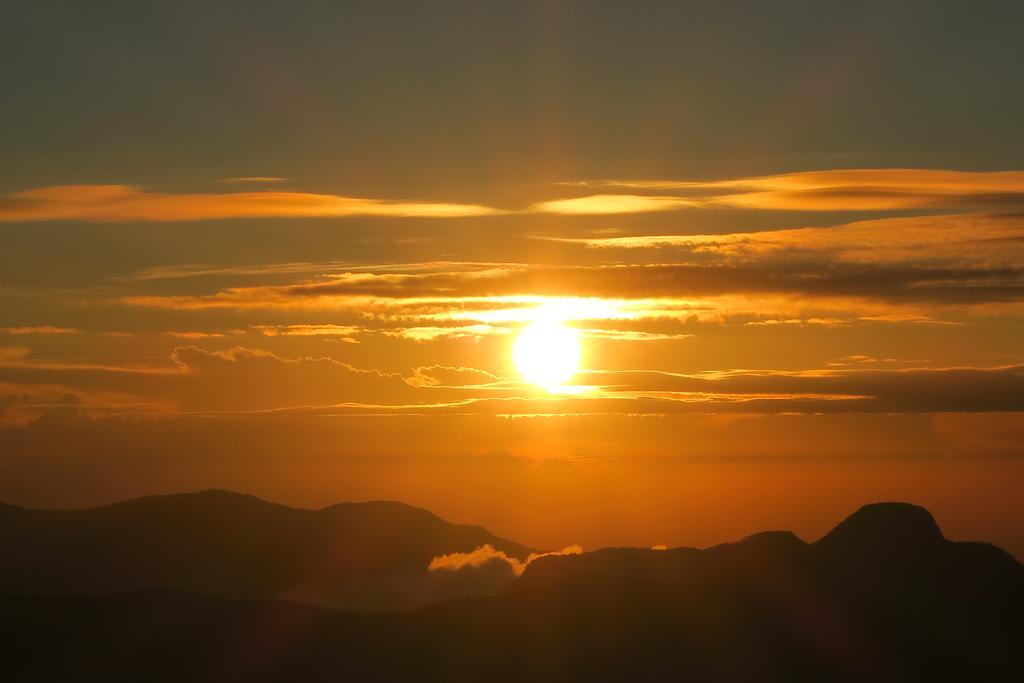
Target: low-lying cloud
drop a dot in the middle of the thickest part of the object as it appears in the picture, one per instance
(480, 572)
(487, 555)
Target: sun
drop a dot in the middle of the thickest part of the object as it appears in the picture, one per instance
(547, 353)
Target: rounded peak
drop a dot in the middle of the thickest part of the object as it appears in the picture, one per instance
(219, 495)
(206, 499)
(889, 525)
(383, 507)
(780, 535)
(773, 538)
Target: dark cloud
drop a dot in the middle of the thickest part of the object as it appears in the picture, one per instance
(884, 282)
(911, 390)
(243, 380)
(238, 380)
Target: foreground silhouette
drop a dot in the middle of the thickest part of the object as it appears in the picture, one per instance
(882, 597)
(358, 556)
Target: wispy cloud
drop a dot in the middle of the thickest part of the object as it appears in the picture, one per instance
(915, 179)
(199, 334)
(486, 554)
(204, 270)
(346, 332)
(975, 239)
(956, 389)
(241, 380)
(919, 269)
(867, 189)
(684, 284)
(830, 190)
(255, 180)
(607, 204)
(926, 270)
(633, 335)
(424, 333)
(447, 376)
(112, 203)
(39, 329)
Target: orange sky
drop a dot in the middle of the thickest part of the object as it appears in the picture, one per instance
(277, 257)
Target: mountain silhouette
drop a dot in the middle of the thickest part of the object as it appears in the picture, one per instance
(883, 597)
(223, 544)
(886, 527)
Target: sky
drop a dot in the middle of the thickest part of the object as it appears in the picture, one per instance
(288, 248)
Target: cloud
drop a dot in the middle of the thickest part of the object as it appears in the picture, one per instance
(24, 402)
(252, 379)
(633, 335)
(39, 329)
(347, 333)
(829, 190)
(893, 282)
(194, 334)
(867, 189)
(424, 333)
(486, 556)
(607, 204)
(115, 203)
(936, 261)
(878, 189)
(202, 270)
(245, 380)
(443, 375)
(243, 180)
(978, 239)
(923, 390)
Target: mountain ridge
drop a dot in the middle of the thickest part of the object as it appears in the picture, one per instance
(226, 544)
(769, 607)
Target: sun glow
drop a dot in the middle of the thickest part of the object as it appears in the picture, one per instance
(547, 353)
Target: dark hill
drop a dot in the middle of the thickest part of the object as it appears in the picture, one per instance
(910, 607)
(222, 544)
(885, 527)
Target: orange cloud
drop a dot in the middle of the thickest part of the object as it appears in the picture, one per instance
(112, 203)
(250, 381)
(486, 555)
(867, 189)
(242, 180)
(606, 204)
(829, 190)
(633, 335)
(445, 376)
(628, 291)
(346, 332)
(194, 335)
(913, 179)
(39, 329)
(425, 333)
(961, 238)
